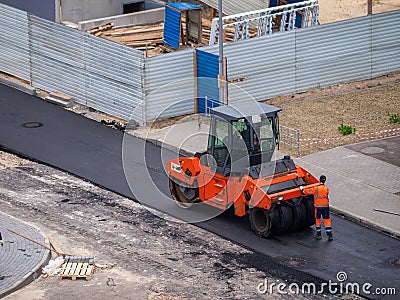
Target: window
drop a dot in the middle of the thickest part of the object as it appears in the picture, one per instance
(221, 141)
(241, 143)
(264, 136)
(133, 7)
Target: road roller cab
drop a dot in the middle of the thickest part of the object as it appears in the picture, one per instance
(237, 169)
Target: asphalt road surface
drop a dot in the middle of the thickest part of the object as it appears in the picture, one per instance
(95, 152)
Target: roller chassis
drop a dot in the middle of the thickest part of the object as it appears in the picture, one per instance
(274, 202)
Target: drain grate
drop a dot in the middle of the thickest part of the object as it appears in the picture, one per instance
(32, 125)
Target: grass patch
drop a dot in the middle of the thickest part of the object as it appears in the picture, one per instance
(346, 129)
(394, 118)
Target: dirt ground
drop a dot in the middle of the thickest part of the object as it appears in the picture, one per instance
(364, 105)
(337, 10)
(154, 258)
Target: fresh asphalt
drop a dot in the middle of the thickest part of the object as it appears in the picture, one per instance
(94, 152)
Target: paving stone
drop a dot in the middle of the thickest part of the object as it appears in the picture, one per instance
(18, 257)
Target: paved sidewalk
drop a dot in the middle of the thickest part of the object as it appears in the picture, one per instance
(21, 261)
(364, 188)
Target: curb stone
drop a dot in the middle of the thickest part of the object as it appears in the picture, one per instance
(23, 87)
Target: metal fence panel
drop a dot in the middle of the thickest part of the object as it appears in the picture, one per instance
(14, 42)
(333, 53)
(262, 67)
(169, 85)
(385, 43)
(207, 81)
(57, 58)
(98, 73)
(172, 30)
(114, 78)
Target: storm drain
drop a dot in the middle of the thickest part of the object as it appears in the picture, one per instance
(372, 150)
(32, 125)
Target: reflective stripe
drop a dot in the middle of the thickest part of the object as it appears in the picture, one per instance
(321, 205)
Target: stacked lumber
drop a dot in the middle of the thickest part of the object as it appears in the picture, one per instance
(100, 29)
(137, 36)
(149, 38)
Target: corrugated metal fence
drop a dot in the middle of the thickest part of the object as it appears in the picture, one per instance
(98, 73)
(304, 59)
(117, 80)
(14, 42)
(169, 85)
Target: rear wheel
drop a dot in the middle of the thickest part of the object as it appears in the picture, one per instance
(309, 203)
(260, 221)
(184, 196)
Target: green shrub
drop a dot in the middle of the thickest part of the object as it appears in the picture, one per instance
(394, 118)
(346, 129)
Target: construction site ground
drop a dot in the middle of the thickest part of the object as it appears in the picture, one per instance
(158, 258)
(154, 258)
(364, 105)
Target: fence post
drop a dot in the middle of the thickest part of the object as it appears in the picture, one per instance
(29, 20)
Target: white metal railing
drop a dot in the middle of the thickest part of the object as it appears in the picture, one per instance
(263, 19)
(290, 137)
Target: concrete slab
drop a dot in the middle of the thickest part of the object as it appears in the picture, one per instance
(187, 136)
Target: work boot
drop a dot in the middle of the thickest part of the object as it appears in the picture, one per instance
(318, 236)
(330, 238)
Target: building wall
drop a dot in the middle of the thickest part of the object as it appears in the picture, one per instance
(82, 10)
(41, 8)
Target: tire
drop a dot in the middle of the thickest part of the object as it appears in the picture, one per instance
(184, 197)
(309, 203)
(287, 218)
(300, 220)
(275, 216)
(260, 222)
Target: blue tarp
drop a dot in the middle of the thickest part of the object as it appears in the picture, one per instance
(183, 5)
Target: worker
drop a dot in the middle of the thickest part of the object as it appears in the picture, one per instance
(321, 204)
(1, 240)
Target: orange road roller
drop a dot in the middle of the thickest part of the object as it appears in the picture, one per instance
(238, 169)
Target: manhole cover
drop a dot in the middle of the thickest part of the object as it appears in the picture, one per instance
(372, 150)
(396, 262)
(32, 125)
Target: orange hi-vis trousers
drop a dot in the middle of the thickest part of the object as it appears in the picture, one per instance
(324, 213)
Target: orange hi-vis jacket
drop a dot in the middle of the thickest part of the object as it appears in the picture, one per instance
(320, 193)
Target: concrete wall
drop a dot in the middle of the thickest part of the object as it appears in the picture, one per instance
(41, 8)
(81, 10)
(140, 18)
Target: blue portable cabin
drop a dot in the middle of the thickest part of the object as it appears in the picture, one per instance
(173, 31)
